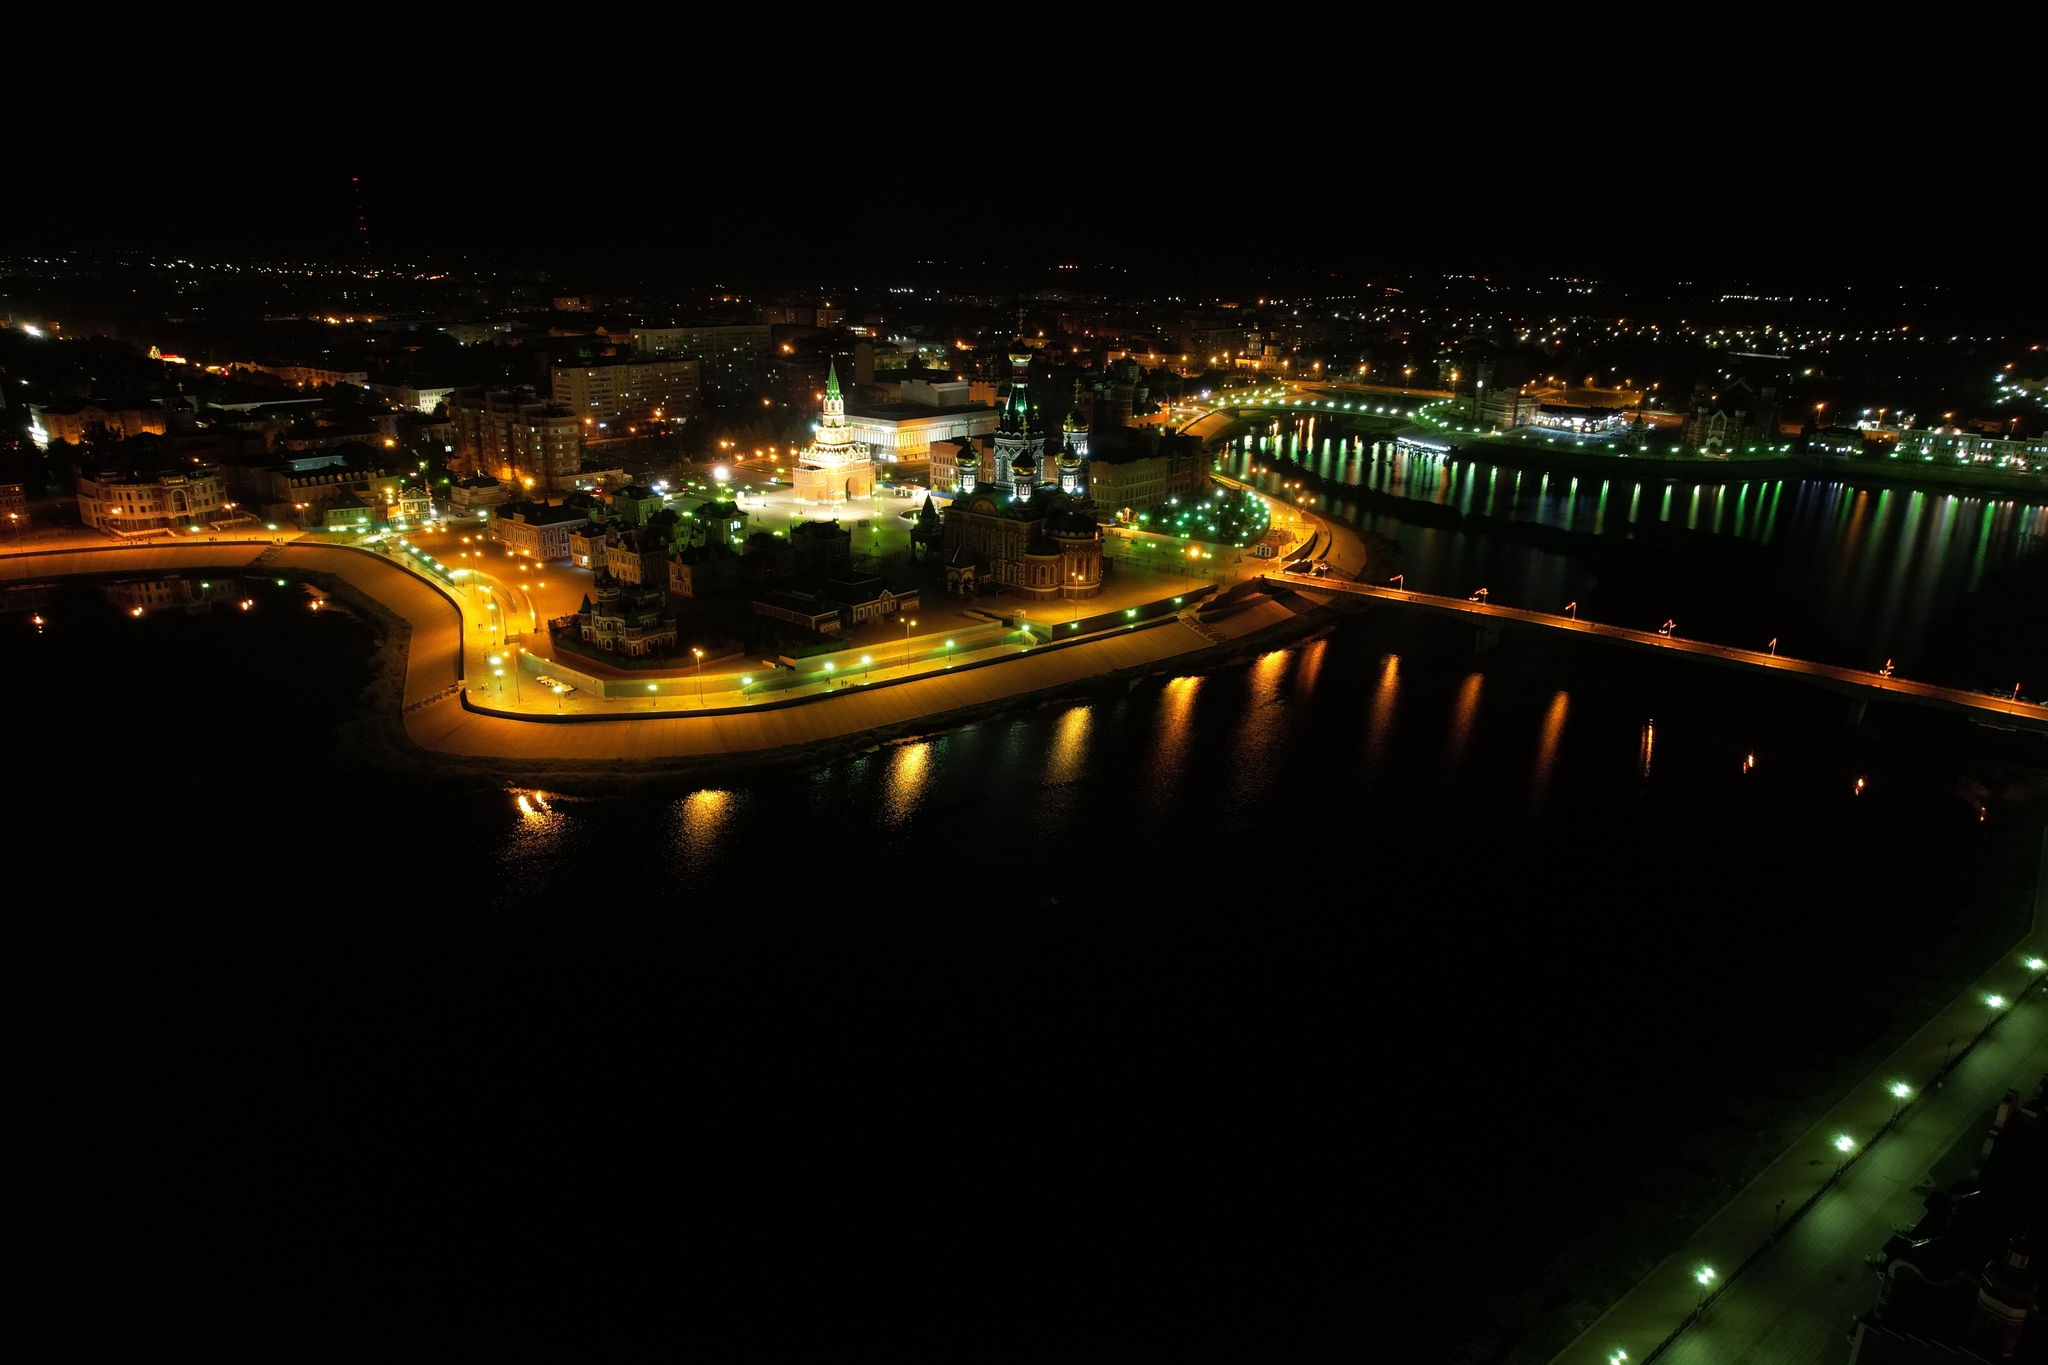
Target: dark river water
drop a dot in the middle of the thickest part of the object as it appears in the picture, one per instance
(1210, 999)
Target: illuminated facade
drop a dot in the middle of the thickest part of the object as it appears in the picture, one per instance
(1579, 420)
(72, 421)
(513, 436)
(535, 529)
(911, 431)
(627, 618)
(633, 389)
(836, 466)
(732, 361)
(1040, 546)
(125, 502)
(1735, 418)
(1970, 447)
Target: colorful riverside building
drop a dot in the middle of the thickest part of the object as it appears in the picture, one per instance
(836, 466)
(1035, 537)
(1027, 524)
(627, 618)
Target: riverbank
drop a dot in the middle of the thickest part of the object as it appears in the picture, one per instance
(415, 720)
(1917, 474)
(382, 738)
(1621, 465)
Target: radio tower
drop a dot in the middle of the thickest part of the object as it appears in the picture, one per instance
(362, 224)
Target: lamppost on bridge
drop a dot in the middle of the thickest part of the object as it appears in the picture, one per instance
(1900, 1092)
(1397, 580)
(1479, 597)
(1844, 1146)
(1571, 609)
(1705, 1276)
(1774, 646)
(1666, 629)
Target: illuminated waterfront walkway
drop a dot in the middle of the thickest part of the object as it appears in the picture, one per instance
(1794, 1303)
(1856, 682)
(436, 719)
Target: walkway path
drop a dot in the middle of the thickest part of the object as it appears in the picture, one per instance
(1795, 1301)
(2032, 715)
(444, 726)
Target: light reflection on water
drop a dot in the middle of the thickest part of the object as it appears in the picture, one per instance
(541, 830)
(701, 821)
(1260, 726)
(1879, 565)
(904, 781)
(1176, 732)
(1546, 749)
(1463, 713)
(1379, 725)
(1338, 740)
(1311, 665)
(1068, 758)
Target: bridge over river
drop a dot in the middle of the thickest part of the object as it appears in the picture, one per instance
(2003, 712)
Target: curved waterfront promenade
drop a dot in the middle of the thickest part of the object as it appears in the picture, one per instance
(437, 720)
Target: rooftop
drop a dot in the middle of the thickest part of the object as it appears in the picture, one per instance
(904, 412)
(540, 513)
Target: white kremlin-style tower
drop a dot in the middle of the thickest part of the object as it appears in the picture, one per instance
(835, 467)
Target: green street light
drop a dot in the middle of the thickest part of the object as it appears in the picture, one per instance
(1705, 1276)
(1996, 1002)
(1845, 1144)
(2034, 964)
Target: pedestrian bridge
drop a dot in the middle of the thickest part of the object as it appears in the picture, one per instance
(1229, 409)
(2003, 712)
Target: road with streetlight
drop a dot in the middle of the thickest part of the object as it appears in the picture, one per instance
(451, 643)
(1793, 1303)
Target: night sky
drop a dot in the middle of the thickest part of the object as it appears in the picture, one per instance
(1717, 156)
